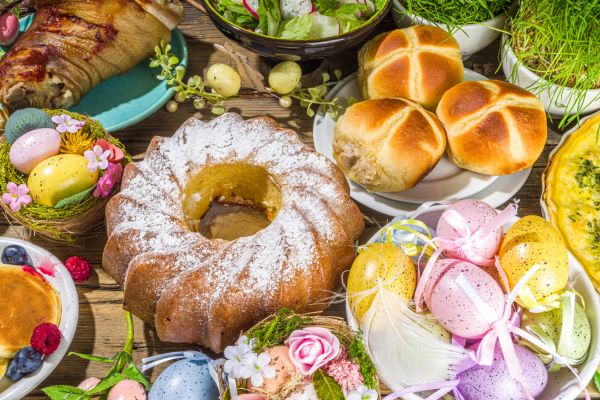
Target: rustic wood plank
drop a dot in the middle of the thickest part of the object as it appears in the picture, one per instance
(102, 327)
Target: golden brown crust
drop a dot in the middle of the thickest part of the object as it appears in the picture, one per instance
(493, 127)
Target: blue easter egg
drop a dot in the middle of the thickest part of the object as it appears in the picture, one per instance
(186, 379)
(23, 121)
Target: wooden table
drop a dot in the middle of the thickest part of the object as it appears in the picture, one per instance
(102, 327)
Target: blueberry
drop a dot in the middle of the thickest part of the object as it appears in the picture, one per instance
(12, 372)
(28, 360)
(14, 255)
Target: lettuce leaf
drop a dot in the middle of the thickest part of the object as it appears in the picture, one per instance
(243, 20)
(270, 16)
(349, 22)
(232, 6)
(346, 9)
(296, 28)
(323, 5)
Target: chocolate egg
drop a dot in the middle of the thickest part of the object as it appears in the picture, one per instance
(532, 240)
(477, 214)
(453, 309)
(34, 147)
(60, 177)
(284, 368)
(304, 392)
(495, 383)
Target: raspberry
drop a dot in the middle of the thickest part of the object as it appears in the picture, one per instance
(79, 268)
(45, 338)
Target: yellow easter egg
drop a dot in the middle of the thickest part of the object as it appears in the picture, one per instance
(530, 241)
(60, 177)
(386, 262)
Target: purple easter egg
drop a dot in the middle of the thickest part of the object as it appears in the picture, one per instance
(494, 382)
(453, 309)
(477, 214)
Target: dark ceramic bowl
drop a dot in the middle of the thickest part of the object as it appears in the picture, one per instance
(294, 50)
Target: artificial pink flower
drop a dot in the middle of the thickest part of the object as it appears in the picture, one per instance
(98, 158)
(67, 124)
(311, 348)
(110, 178)
(16, 196)
(116, 154)
(345, 373)
(103, 187)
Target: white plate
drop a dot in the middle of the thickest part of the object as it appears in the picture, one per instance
(56, 273)
(446, 181)
(562, 385)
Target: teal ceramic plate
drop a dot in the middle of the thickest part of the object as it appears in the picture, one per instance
(124, 100)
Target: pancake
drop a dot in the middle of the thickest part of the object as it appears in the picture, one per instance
(28, 300)
(3, 366)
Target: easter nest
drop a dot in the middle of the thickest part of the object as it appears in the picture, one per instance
(277, 328)
(66, 224)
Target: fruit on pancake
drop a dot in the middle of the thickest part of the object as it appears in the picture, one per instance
(46, 338)
(27, 360)
(13, 373)
(14, 255)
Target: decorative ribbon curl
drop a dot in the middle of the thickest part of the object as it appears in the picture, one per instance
(464, 241)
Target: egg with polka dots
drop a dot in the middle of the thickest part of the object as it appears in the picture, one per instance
(494, 382)
(533, 240)
(477, 214)
(453, 309)
(186, 379)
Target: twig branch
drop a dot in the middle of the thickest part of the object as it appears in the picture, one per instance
(193, 4)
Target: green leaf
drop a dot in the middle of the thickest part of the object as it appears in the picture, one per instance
(173, 60)
(351, 101)
(326, 387)
(310, 112)
(326, 77)
(63, 392)
(106, 383)
(314, 92)
(597, 380)
(227, 394)
(134, 374)
(322, 90)
(76, 198)
(338, 74)
(296, 28)
(269, 16)
(304, 103)
(218, 110)
(94, 358)
(324, 5)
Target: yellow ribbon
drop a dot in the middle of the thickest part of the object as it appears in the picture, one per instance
(528, 301)
(411, 250)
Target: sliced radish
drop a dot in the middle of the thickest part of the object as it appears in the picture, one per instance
(252, 6)
(370, 8)
(295, 8)
(323, 26)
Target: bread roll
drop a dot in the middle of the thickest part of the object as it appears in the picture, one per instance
(419, 63)
(493, 127)
(388, 145)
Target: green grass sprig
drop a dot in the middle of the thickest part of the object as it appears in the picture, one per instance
(275, 331)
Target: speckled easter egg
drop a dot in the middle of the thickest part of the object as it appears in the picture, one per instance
(34, 147)
(495, 383)
(284, 368)
(429, 322)
(532, 240)
(127, 390)
(440, 267)
(551, 323)
(89, 383)
(60, 177)
(185, 380)
(389, 263)
(23, 121)
(453, 309)
(477, 214)
(304, 392)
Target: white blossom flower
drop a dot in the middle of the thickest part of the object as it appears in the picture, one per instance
(238, 358)
(361, 393)
(259, 368)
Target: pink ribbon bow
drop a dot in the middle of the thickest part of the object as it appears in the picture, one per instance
(464, 241)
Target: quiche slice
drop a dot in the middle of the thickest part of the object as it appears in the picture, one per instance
(572, 195)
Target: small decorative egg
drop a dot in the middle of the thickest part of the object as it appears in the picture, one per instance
(284, 368)
(430, 323)
(532, 240)
(127, 389)
(304, 392)
(551, 323)
(385, 261)
(89, 383)
(186, 379)
(34, 147)
(477, 214)
(250, 396)
(60, 177)
(452, 307)
(23, 121)
(9, 29)
(494, 382)
(440, 267)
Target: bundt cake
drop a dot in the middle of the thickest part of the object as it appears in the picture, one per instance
(197, 290)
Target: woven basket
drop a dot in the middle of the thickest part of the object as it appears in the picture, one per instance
(335, 325)
(87, 217)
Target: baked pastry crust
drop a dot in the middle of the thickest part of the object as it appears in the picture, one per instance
(207, 291)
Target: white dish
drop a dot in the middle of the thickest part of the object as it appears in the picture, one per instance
(471, 38)
(56, 273)
(562, 385)
(556, 98)
(446, 181)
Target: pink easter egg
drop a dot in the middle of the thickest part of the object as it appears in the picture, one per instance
(250, 396)
(284, 368)
(9, 29)
(477, 214)
(89, 383)
(304, 392)
(127, 389)
(440, 267)
(453, 309)
(495, 383)
(34, 147)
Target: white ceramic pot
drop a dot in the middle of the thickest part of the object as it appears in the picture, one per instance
(562, 385)
(471, 38)
(557, 99)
